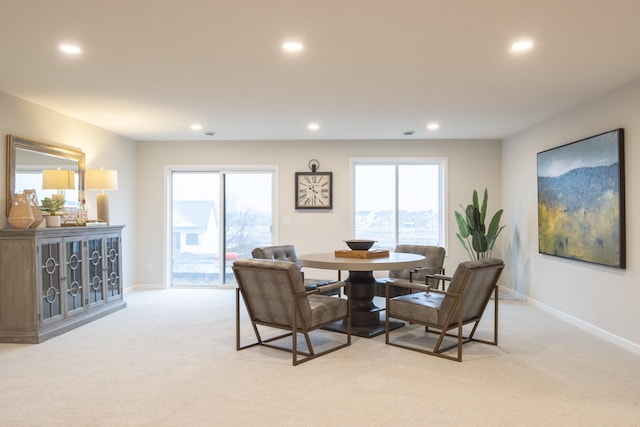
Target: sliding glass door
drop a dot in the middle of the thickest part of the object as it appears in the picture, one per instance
(217, 217)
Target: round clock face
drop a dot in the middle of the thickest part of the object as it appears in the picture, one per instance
(314, 191)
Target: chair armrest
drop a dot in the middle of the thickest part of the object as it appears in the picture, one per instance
(419, 287)
(408, 285)
(430, 271)
(439, 277)
(326, 287)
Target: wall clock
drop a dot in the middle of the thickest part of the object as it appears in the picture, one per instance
(314, 190)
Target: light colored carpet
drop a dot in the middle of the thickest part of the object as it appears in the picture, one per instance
(169, 359)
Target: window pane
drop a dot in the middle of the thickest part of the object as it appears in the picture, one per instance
(375, 196)
(418, 204)
(248, 215)
(195, 228)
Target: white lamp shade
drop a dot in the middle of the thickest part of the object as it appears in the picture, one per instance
(101, 179)
(58, 179)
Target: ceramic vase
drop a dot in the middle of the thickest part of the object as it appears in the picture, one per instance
(20, 215)
(35, 207)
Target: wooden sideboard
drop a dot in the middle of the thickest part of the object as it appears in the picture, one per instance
(53, 280)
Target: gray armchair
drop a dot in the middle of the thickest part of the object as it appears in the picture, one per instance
(434, 265)
(288, 253)
(463, 303)
(275, 297)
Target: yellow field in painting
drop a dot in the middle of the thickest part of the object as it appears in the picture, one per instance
(588, 234)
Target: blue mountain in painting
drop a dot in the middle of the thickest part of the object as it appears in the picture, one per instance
(578, 188)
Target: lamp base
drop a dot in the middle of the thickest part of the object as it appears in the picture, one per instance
(102, 207)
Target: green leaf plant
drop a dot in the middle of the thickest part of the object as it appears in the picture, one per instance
(477, 240)
(52, 206)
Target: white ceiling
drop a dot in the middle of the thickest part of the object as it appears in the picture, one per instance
(371, 69)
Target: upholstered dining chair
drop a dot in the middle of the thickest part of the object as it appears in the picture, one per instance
(275, 297)
(434, 265)
(289, 253)
(463, 303)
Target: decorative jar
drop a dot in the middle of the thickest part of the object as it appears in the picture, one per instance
(35, 207)
(20, 215)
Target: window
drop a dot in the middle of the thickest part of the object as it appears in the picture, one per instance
(399, 201)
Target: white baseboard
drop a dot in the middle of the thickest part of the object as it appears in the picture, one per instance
(607, 336)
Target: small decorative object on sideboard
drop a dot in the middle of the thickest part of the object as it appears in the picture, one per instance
(83, 213)
(53, 221)
(69, 217)
(51, 206)
(360, 244)
(32, 196)
(20, 215)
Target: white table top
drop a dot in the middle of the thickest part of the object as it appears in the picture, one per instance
(394, 261)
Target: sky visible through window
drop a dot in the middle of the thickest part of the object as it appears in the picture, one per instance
(418, 187)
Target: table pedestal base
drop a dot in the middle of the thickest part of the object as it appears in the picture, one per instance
(365, 315)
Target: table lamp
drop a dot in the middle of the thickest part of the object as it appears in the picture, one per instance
(101, 179)
(59, 180)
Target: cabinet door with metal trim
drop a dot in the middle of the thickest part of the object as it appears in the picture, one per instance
(96, 264)
(74, 279)
(50, 271)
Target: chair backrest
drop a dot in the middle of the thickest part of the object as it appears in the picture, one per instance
(281, 252)
(477, 281)
(268, 288)
(434, 260)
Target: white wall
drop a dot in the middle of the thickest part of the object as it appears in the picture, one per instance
(473, 164)
(102, 148)
(601, 299)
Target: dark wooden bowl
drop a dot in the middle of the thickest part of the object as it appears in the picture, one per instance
(359, 244)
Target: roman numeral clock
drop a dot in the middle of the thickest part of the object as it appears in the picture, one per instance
(314, 190)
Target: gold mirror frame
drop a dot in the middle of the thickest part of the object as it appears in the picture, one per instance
(17, 143)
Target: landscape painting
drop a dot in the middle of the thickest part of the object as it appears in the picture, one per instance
(581, 200)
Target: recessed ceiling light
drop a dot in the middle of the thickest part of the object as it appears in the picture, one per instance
(196, 126)
(522, 45)
(313, 126)
(70, 49)
(433, 126)
(292, 46)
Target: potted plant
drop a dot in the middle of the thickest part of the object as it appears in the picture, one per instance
(475, 237)
(51, 206)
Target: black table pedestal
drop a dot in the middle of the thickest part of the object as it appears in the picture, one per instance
(365, 315)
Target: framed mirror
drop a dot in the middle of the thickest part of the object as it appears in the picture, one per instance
(26, 162)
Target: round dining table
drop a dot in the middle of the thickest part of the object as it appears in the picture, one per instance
(365, 315)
